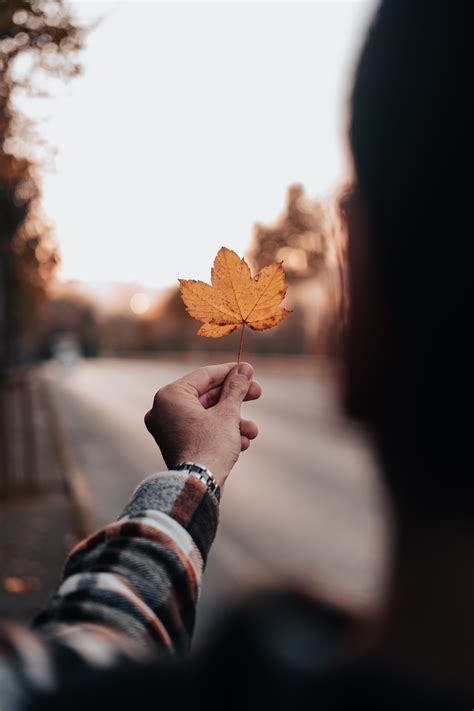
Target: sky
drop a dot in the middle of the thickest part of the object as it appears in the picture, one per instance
(186, 127)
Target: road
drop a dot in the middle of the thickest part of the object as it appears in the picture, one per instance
(303, 505)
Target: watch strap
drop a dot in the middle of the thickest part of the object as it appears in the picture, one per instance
(204, 474)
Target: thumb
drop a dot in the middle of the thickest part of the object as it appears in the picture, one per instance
(236, 385)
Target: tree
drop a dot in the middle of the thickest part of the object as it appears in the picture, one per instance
(310, 238)
(300, 237)
(36, 37)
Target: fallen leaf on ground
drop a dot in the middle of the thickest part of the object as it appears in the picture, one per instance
(14, 584)
(235, 298)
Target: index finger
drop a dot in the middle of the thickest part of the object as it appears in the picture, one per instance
(210, 376)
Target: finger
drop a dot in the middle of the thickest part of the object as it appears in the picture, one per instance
(248, 429)
(254, 392)
(236, 387)
(244, 443)
(203, 379)
(211, 398)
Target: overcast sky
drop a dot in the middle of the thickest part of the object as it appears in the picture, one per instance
(187, 125)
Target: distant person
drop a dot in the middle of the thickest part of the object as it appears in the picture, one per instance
(117, 633)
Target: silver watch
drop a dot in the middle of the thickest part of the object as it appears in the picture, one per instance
(204, 474)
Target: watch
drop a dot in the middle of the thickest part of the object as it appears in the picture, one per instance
(204, 474)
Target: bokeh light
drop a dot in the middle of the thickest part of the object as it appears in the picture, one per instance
(139, 303)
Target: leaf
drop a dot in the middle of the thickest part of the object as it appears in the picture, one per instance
(234, 298)
(13, 584)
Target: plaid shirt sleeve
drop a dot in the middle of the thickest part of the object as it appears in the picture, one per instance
(127, 591)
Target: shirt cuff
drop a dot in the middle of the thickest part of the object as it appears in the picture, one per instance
(182, 496)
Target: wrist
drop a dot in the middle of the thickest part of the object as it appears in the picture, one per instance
(208, 461)
(204, 475)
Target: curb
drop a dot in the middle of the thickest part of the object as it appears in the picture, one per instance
(77, 490)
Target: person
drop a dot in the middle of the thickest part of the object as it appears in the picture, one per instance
(117, 632)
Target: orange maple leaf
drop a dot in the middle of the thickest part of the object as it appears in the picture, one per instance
(234, 298)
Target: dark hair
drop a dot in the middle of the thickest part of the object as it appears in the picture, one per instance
(411, 135)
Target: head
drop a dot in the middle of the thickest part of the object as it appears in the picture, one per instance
(409, 226)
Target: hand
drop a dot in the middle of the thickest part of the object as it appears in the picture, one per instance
(197, 418)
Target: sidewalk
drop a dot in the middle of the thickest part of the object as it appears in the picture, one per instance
(39, 515)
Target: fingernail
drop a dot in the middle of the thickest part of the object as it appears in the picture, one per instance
(246, 370)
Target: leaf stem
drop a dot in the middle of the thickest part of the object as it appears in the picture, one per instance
(240, 344)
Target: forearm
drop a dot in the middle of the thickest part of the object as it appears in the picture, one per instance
(128, 591)
(142, 575)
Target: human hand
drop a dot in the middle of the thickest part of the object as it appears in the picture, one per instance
(197, 418)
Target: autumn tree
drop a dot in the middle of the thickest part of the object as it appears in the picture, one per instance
(300, 237)
(309, 237)
(37, 38)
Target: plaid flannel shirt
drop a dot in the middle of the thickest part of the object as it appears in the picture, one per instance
(128, 591)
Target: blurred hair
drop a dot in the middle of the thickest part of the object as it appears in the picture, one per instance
(411, 135)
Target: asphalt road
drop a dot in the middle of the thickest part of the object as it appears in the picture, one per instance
(303, 505)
